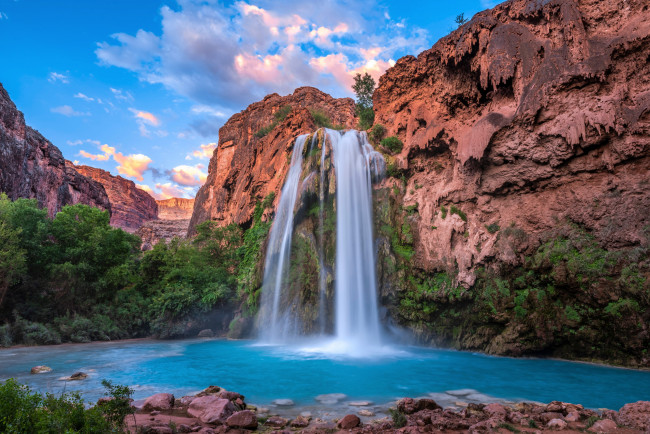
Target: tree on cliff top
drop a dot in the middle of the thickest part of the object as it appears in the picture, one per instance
(364, 87)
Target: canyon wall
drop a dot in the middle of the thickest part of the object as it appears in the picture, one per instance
(254, 152)
(32, 167)
(173, 220)
(530, 114)
(175, 208)
(131, 206)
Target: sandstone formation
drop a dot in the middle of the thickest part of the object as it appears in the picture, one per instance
(247, 165)
(173, 220)
(32, 167)
(532, 113)
(175, 208)
(131, 207)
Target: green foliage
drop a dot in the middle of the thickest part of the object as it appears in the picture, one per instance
(460, 19)
(458, 212)
(391, 169)
(393, 144)
(321, 119)
(265, 130)
(377, 133)
(282, 113)
(366, 117)
(24, 411)
(399, 419)
(443, 212)
(509, 427)
(625, 305)
(492, 228)
(364, 87)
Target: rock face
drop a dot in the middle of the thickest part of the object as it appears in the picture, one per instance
(248, 165)
(131, 206)
(175, 208)
(532, 113)
(32, 167)
(173, 220)
(522, 186)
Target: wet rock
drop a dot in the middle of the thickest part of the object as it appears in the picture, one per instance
(210, 390)
(365, 413)
(635, 415)
(205, 333)
(75, 377)
(211, 409)
(556, 424)
(243, 419)
(410, 405)
(300, 422)
(283, 402)
(159, 401)
(40, 369)
(276, 422)
(349, 421)
(330, 398)
(603, 426)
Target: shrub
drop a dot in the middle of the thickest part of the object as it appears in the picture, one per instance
(443, 212)
(366, 117)
(377, 133)
(34, 333)
(321, 119)
(393, 144)
(5, 336)
(265, 130)
(399, 420)
(492, 228)
(458, 212)
(282, 113)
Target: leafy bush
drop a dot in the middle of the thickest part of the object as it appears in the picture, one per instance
(377, 133)
(366, 117)
(33, 333)
(399, 420)
(282, 113)
(265, 130)
(24, 411)
(5, 336)
(393, 144)
(492, 228)
(443, 212)
(458, 212)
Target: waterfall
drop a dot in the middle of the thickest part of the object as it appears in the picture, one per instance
(279, 249)
(356, 165)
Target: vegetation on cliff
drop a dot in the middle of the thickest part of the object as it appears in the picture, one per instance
(74, 278)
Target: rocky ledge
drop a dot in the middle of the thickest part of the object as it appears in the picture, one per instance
(216, 410)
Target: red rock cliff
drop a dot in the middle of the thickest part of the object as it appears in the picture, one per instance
(131, 206)
(32, 167)
(175, 208)
(534, 112)
(245, 168)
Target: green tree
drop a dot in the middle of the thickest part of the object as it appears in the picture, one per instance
(460, 19)
(364, 87)
(12, 258)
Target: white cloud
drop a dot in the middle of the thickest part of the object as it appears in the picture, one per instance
(55, 76)
(226, 56)
(121, 95)
(188, 175)
(204, 151)
(66, 110)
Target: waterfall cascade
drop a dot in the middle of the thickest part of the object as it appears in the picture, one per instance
(325, 210)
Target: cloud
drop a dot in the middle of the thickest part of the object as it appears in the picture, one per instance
(168, 190)
(188, 175)
(207, 127)
(84, 97)
(149, 118)
(133, 165)
(204, 151)
(55, 76)
(121, 95)
(228, 56)
(66, 110)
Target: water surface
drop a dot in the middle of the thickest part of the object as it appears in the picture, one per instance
(300, 373)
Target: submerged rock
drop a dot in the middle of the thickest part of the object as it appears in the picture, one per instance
(283, 402)
(40, 369)
(330, 398)
(76, 376)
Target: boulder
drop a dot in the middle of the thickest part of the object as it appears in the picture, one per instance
(211, 409)
(410, 405)
(349, 421)
(556, 424)
(635, 415)
(573, 416)
(300, 422)
(159, 401)
(206, 333)
(40, 369)
(230, 396)
(276, 422)
(210, 390)
(243, 419)
(603, 426)
(496, 410)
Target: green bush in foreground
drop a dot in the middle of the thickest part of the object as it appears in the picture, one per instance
(24, 411)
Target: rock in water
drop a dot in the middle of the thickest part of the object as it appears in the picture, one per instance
(283, 402)
(40, 369)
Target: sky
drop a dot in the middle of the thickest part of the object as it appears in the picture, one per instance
(140, 88)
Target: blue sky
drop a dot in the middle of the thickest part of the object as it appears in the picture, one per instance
(140, 88)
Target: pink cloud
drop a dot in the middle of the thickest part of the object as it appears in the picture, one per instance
(189, 175)
(133, 165)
